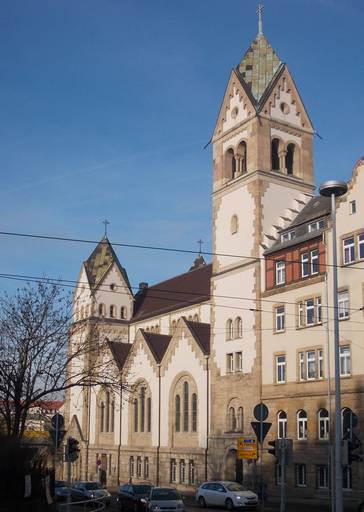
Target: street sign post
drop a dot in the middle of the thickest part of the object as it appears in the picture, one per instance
(247, 448)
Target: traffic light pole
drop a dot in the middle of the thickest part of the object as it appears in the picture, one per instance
(282, 461)
(68, 484)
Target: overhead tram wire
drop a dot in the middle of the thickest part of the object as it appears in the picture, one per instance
(59, 283)
(165, 249)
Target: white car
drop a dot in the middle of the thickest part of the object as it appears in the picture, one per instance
(226, 494)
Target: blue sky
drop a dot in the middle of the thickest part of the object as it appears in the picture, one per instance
(106, 106)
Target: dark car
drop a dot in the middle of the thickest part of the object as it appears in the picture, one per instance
(91, 491)
(61, 491)
(134, 497)
(167, 499)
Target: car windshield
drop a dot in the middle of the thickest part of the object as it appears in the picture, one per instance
(235, 487)
(165, 494)
(91, 486)
(142, 489)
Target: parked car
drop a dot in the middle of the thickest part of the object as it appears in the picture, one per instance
(134, 497)
(226, 494)
(166, 499)
(61, 491)
(90, 491)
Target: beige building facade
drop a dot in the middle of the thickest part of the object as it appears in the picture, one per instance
(194, 354)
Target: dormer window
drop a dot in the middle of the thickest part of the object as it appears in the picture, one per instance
(290, 235)
(316, 226)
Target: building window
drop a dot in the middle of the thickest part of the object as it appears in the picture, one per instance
(239, 362)
(281, 369)
(234, 224)
(320, 364)
(123, 312)
(280, 319)
(131, 467)
(322, 476)
(146, 467)
(285, 237)
(316, 225)
(229, 329)
(290, 158)
(194, 412)
(232, 420)
(310, 263)
(191, 472)
(229, 363)
(310, 312)
(282, 424)
(238, 328)
(305, 265)
(302, 425)
(102, 416)
(275, 154)
(345, 361)
(101, 309)
(182, 471)
(347, 417)
(343, 301)
(300, 471)
(173, 476)
(349, 250)
(139, 467)
(112, 311)
(314, 262)
(185, 406)
(311, 364)
(352, 207)
(240, 419)
(301, 358)
(347, 478)
(280, 272)
(323, 424)
(361, 246)
(178, 413)
(142, 409)
(135, 415)
(196, 318)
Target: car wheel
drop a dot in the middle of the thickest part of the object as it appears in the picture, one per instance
(229, 504)
(202, 502)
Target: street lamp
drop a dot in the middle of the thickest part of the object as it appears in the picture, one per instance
(334, 189)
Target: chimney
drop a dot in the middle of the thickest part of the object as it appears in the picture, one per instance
(143, 287)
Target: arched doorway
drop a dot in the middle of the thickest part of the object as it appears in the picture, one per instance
(233, 467)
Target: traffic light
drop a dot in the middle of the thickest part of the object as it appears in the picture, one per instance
(275, 449)
(349, 450)
(72, 449)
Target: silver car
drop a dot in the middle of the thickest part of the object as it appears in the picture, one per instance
(226, 494)
(165, 499)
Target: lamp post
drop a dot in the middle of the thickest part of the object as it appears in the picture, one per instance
(334, 189)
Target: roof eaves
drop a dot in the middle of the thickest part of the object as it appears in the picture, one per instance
(296, 241)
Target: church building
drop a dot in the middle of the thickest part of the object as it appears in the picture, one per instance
(194, 354)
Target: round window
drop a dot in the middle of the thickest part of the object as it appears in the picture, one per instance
(285, 108)
(234, 112)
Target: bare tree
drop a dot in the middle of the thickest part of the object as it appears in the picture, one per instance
(37, 362)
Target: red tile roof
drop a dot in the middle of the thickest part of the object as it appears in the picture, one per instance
(181, 291)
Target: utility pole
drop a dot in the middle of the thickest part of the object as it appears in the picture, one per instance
(282, 462)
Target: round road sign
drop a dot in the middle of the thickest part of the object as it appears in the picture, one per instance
(261, 412)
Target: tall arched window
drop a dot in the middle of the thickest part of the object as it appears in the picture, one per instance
(302, 425)
(323, 424)
(177, 413)
(290, 158)
(234, 224)
(185, 406)
(131, 467)
(146, 467)
(238, 328)
(275, 155)
(107, 412)
(135, 403)
(194, 412)
(174, 326)
(229, 329)
(241, 158)
(102, 416)
(112, 311)
(282, 424)
(195, 317)
(347, 423)
(101, 309)
(112, 416)
(231, 420)
(230, 164)
(142, 409)
(149, 414)
(240, 419)
(123, 312)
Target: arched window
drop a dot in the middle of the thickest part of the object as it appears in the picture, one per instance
(102, 416)
(112, 311)
(139, 467)
(174, 326)
(149, 414)
(142, 409)
(101, 309)
(347, 423)
(241, 158)
(290, 158)
(107, 412)
(195, 318)
(229, 329)
(146, 467)
(238, 328)
(189, 318)
(135, 403)
(302, 425)
(177, 413)
(240, 420)
(231, 420)
(323, 424)
(282, 424)
(230, 164)
(131, 467)
(185, 406)
(234, 224)
(112, 416)
(123, 312)
(194, 412)
(275, 155)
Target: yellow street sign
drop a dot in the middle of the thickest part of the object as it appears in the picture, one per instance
(247, 448)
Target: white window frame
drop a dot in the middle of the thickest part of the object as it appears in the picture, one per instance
(324, 422)
(310, 309)
(282, 425)
(343, 303)
(280, 272)
(229, 362)
(301, 426)
(305, 264)
(280, 320)
(311, 363)
(301, 475)
(352, 207)
(349, 250)
(238, 361)
(316, 225)
(320, 366)
(314, 261)
(302, 366)
(361, 246)
(345, 360)
(281, 369)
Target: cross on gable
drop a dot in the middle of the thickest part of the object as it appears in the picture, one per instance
(105, 223)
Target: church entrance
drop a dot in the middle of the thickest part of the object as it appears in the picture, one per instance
(233, 467)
